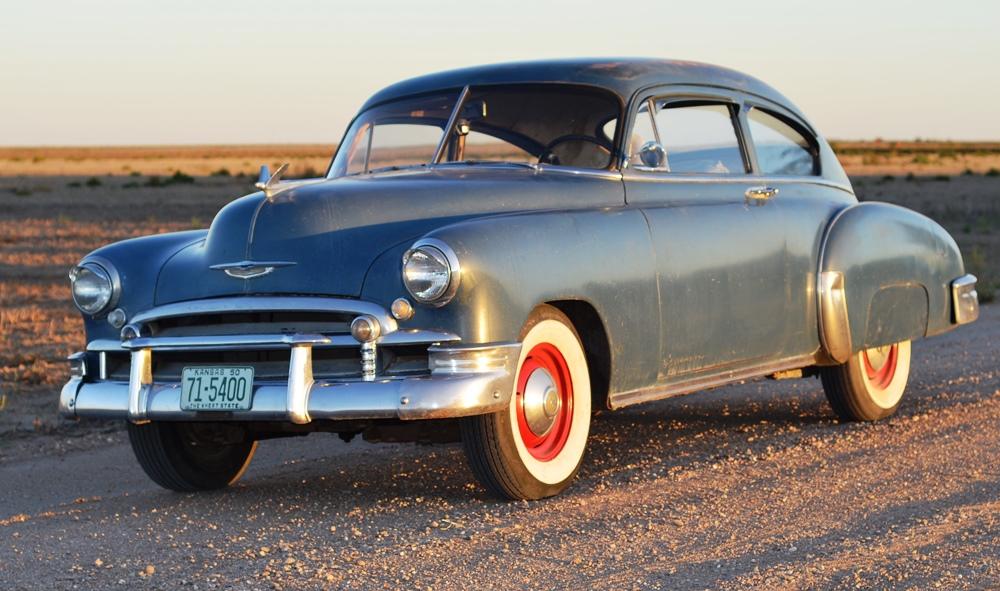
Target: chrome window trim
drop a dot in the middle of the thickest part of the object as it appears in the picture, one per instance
(447, 130)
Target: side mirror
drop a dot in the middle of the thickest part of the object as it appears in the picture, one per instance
(652, 155)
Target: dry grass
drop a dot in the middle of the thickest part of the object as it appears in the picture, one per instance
(56, 204)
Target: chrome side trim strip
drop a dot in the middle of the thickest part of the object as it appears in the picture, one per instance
(139, 383)
(749, 179)
(835, 326)
(269, 303)
(621, 399)
(965, 299)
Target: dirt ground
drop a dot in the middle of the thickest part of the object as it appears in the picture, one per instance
(752, 486)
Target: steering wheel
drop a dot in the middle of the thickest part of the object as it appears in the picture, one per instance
(548, 156)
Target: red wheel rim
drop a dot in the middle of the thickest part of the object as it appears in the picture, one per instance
(547, 444)
(882, 377)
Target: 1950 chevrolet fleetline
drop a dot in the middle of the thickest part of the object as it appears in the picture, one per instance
(495, 253)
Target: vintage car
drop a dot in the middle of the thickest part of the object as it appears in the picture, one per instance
(496, 253)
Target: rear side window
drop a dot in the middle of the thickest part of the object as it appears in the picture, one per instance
(699, 138)
(781, 149)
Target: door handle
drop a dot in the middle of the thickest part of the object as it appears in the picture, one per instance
(761, 193)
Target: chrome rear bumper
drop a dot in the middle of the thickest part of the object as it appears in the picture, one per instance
(965, 299)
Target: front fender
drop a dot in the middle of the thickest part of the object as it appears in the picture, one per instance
(885, 276)
(138, 262)
(512, 263)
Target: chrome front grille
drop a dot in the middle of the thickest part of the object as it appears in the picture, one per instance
(260, 322)
(262, 332)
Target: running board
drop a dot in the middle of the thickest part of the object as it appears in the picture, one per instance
(622, 399)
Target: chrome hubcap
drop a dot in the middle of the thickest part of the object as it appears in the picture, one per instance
(542, 402)
(877, 356)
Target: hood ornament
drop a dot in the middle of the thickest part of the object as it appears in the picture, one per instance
(268, 182)
(250, 269)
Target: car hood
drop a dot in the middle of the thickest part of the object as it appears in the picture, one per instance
(321, 237)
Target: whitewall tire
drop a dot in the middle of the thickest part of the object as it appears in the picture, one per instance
(534, 448)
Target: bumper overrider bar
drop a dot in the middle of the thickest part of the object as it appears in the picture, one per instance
(463, 380)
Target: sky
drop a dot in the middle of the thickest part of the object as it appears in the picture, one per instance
(138, 72)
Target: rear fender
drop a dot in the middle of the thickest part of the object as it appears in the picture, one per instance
(885, 276)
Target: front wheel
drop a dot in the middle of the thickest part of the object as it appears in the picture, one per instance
(189, 457)
(534, 448)
(870, 385)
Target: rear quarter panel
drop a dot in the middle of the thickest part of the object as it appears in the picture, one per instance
(898, 266)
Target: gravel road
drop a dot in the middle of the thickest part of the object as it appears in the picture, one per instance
(750, 486)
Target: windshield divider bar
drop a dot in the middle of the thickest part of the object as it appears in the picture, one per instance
(451, 125)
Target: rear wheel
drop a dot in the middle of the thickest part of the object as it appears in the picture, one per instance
(533, 448)
(190, 457)
(870, 385)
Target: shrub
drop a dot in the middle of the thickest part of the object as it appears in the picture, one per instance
(911, 177)
(942, 178)
(221, 172)
(181, 178)
(130, 185)
(993, 172)
(93, 182)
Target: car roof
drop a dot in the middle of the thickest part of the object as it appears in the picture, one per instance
(622, 76)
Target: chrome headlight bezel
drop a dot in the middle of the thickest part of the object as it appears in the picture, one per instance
(441, 252)
(104, 270)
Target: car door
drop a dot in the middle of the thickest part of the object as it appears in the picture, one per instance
(718, 235)
(786, 155)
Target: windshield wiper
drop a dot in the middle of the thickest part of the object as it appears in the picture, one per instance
(530, 165)
(396, 167)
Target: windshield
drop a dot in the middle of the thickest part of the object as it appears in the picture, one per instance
(553, 124)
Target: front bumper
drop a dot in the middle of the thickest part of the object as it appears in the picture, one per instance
(462, 380)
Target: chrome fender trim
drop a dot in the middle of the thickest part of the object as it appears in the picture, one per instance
(834, 325)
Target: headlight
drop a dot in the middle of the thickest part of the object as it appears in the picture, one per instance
(431, 272)
(93, 287)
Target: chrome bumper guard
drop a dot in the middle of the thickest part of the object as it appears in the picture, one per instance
(965, 300)
(463, 380)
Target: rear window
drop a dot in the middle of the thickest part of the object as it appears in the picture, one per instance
(781, 149)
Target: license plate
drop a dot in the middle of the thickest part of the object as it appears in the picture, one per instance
(216, 388)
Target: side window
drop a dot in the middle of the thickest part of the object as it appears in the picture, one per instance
(643, 132)
(401, 144)
(699, 137)
(482, 147)
(781, 149)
